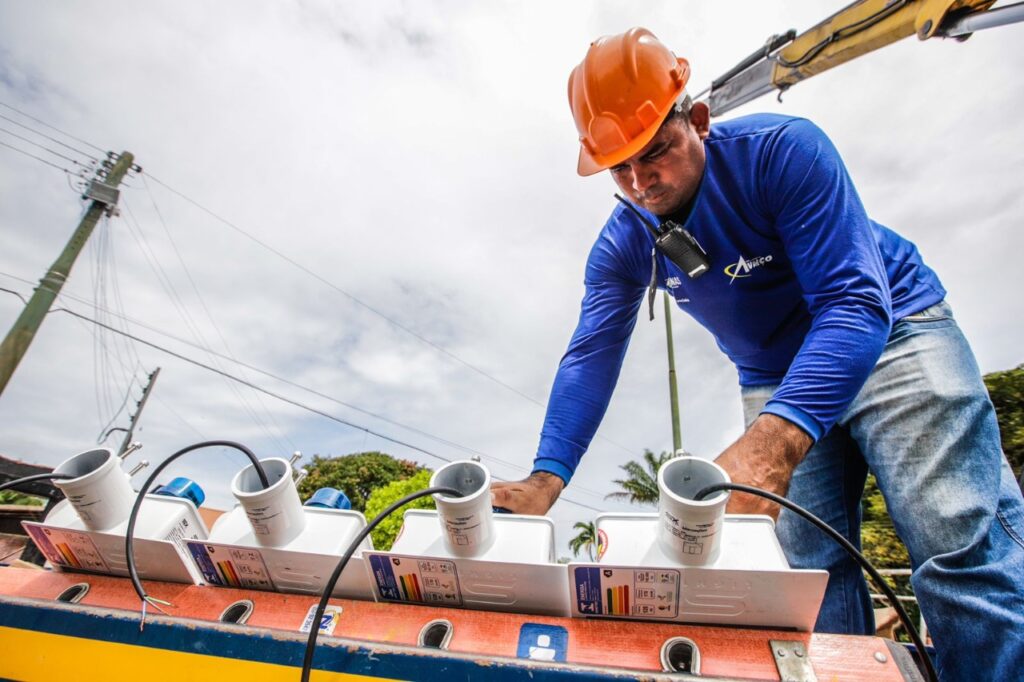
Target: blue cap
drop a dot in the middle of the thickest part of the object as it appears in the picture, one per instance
(329, 498)
(184, 488)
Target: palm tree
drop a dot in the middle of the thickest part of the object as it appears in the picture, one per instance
(586, 538)
(642, 484)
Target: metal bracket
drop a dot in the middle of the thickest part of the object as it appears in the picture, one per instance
(792, 661)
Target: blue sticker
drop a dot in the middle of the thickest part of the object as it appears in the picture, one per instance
(543, 642)
(203, 563)
(385, 577)
(588, 590)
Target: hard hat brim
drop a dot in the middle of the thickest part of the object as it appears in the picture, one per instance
(590, 164)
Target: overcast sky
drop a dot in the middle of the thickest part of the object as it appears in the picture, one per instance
(419, 159)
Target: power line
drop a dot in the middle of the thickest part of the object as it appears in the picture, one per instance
(12, 291)
(311, 391)
(363, 304)
(283, 398)
(273, 394)
(302, 268)
(351, 297)
(43, 123)
(213, 320)
(190, 323)
(37, 158)
(293, 262)
(44, 148)
(281, 255)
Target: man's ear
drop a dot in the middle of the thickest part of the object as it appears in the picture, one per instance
(700, 119)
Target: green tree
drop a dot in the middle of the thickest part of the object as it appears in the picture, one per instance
(1006, 389)
(385, 533)
(14, 497)
(881, 545)
(641, 485)
(357, 475)
(585, 539)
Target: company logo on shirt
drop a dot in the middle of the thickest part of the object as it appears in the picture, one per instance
(673, 282)
(743, 266)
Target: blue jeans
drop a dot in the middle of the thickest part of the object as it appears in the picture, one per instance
(924, 426)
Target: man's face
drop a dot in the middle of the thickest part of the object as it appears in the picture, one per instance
(665, 174)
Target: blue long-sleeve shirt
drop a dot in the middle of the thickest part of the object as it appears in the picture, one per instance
(802, 289)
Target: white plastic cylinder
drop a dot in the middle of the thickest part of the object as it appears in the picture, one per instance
(689, 530)
(101, 491)
(275, 513)
(467, 523)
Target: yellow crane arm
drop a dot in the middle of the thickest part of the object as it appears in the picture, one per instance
(857, 29)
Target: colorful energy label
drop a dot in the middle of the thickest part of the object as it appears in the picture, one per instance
(626, 592)
(231, 566)
(412, 579)
(69, 548)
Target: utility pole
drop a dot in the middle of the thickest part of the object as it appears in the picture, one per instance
(138, 411)
(104, 194)
(673, 393)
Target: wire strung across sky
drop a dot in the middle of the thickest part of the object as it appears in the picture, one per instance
(52, 139)
(190, 324)
(45, 148)
(312, 391)
(398, 325)
(294, 263)
(37, 158)
(276, 395)
(213, 321)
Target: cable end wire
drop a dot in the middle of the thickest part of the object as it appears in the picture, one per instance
(148, 600)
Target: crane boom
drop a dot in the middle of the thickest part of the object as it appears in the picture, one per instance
(859, 28)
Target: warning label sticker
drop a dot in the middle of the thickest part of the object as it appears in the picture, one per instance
(230, 566)
(416, 579)
(67, 548)
(626, 592)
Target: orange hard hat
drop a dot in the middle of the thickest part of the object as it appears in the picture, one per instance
(620, 93)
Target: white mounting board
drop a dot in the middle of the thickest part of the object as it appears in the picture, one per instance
(516, 575)
(278, 570)
(326, 531)
(517, 538)
(717, 596)
(748, 542)
(750, 584)
(95, 552)
(469, 583)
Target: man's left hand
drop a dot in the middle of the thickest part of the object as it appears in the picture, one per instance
(764, 457)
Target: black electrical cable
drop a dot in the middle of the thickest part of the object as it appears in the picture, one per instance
(314, 630)
(128, 544)
(846, 545)
(34, 477)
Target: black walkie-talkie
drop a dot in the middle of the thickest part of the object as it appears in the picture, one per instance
(672, 239)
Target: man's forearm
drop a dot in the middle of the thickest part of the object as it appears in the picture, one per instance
(764, 457)
(535, 494)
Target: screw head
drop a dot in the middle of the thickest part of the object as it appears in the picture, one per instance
(781, 653)
(798, 653)
(880, 657)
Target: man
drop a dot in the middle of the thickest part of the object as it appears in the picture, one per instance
(848, 357)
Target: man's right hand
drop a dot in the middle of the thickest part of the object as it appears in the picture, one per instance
(533, 495)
